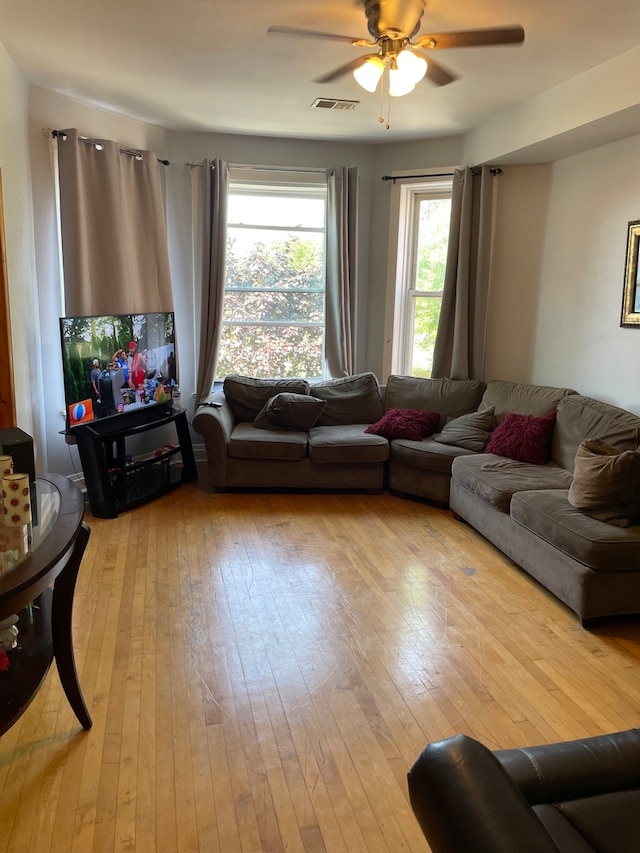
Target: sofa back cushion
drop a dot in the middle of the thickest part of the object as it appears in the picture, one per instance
(246, 395)
(450, 398)
(350, 400)
(520, 399)
(579, 418)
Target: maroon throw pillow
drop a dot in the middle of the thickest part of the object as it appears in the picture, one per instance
(414, 424)
(523, 437)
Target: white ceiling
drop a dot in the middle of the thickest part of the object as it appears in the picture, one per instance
(208, 65)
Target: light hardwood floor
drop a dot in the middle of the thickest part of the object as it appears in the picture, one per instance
(262, 670)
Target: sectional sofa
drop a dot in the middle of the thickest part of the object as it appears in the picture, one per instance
(502, 455)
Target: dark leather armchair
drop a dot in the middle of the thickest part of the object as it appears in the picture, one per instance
(581, 796)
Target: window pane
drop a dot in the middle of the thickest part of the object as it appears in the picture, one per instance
(274, 259)
(267, 306)
(275, 210)
(433, 238)
(271, 351)
(274, 302)
(425, 326)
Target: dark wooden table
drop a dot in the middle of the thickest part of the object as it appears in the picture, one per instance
(45, 578)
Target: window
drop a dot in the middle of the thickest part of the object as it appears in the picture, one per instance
(274, 302)
(423, 238)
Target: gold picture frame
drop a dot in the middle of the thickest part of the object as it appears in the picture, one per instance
(631, 293)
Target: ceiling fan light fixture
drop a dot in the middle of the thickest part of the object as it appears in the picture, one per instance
(412, 66)
(369, 73)
(399, 84)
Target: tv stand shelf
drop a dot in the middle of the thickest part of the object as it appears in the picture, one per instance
(114, 480)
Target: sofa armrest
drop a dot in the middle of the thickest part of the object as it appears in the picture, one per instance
(221, 413)
(464, 799)
(575, 769)
(215, 425)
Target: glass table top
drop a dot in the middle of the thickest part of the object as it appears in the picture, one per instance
(18, 542)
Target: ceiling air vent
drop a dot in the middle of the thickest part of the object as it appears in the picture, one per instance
(333, 104)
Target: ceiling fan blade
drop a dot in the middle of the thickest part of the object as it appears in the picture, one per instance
(344, 69)
(316, 34)
(471, 38)
(437, 74)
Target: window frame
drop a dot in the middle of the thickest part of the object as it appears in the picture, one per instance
(405, 293)
(277, 185)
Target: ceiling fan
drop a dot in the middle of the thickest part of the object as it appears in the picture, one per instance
(393, 26)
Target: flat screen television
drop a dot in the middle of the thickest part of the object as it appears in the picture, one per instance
(116, 363)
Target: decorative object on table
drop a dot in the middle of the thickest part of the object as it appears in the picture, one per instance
(8, 640)
(167, 448)
(14, 540)
(16, 499)
(8, 633)
(19, 446)
(6, 466)
(631, 292)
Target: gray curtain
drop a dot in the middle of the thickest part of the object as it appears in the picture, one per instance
(211, 185)
(341, 270)
(114, 240)
(460, 343)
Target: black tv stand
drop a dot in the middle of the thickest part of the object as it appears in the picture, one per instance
(116, 481)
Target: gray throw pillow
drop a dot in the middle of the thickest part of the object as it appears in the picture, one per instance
(247, 395)
(606, 482)
(470, 431)
(290, 411)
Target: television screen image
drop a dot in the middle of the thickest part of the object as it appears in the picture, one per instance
(116, 363)
(80, 413)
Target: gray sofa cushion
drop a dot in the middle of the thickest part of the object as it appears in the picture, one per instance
(249, 442)
(581, 417)
(515, 397)
(427, 455)
(495, 479)
(346, 443)
(470, 431)
(247, 395)
(600, 546)
(350, 400)
(449, 397)
(290, 411)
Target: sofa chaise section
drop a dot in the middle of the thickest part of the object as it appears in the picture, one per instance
(591, 565)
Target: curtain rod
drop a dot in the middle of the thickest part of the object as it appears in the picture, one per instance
(394, 178)
(243, 166)
(97, 143)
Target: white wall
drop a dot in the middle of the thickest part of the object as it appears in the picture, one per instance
(559, 261)
(578, 340)
(14, 163)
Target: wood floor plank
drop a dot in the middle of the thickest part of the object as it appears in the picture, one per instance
(263, 669)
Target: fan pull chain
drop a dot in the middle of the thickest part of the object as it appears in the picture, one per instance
(381, 116)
